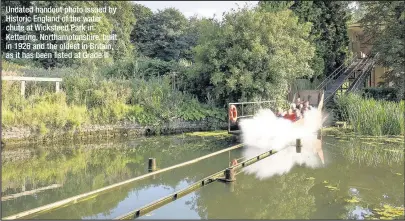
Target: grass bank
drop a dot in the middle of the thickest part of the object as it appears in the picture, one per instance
(372, 117)
(89, 97)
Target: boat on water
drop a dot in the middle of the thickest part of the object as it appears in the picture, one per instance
(245, 110)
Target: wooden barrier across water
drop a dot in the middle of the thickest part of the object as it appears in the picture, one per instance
(92, 194)
(207, 180)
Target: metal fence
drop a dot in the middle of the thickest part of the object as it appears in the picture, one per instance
(249, 109)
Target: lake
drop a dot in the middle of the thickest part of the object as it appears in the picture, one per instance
(359, 180)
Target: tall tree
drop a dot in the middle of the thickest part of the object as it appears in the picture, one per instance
(161, 35)
(328, 33)
(142, 14)
(122, 25)
(247, 57)
(4, 23)
(385, 23)
(275, 6)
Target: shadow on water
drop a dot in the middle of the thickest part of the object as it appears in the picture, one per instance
(82, 168)
(356, 182)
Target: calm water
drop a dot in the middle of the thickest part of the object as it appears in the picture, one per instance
(356, 179)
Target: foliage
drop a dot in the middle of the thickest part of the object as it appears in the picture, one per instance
(371, 117)
(161, 35)
(92, 99)
(381, 93)
(275, 6)
(102, 27)
(328, 33)
(384, 22)
(43, 112)
(122, 25)
(247, 57)
(157, 97)
(141, 13)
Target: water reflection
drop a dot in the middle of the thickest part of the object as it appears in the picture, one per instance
(82, 168)
(283, 197)
(130, 197)
(348, 187)
(345, 189)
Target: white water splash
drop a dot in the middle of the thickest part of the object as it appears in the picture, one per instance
(265, 132)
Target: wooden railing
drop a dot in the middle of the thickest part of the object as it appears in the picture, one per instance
(35, 79)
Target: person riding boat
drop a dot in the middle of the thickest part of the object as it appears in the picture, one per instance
(300, 106)
(298, 115)
(290, 115)
(304, 110)
(297, 103)
(280, 112)
(306, 105)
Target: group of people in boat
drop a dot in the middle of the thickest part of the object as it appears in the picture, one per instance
(296, 112)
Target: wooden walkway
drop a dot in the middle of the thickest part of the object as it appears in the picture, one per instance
(207, 180)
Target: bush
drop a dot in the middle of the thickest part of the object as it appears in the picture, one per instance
(372, 117)
(45, 112)
(145, 68)
(90, 98)
(388, 94)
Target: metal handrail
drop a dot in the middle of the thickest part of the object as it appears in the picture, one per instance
(361, 78)
(355, 85)
(243, 103)
(333, 75)
(361, 63)
(254, 102)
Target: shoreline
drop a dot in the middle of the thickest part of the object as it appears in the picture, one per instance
(25, 136)
(17, 136)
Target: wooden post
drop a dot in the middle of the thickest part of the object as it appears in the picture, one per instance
(230, 175)
(152, 164)
(23, 88)
(57, 87)
(298, 146)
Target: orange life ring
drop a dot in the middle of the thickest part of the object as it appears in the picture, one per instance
(233, 113)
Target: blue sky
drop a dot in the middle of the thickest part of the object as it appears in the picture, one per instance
(200, 8)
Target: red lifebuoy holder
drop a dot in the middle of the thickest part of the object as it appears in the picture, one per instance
(233, 113)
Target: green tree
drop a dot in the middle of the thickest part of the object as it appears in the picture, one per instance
(275, 6)
(328, 33)
(161, 35)
(102, 27)
(384, 22)
(191, 36)
(141, 14)
(247, 57)
(122, 24)
(4, 23)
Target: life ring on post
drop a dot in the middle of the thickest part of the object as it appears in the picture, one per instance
(233, 113)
